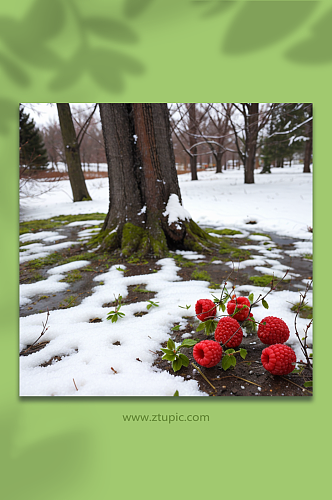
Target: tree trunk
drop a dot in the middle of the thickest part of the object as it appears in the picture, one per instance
(145, 214)
(192, 141)
(251, 143)
(76, 177)
(218, 158)
(308, 145)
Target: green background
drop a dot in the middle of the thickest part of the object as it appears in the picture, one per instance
(163, 51)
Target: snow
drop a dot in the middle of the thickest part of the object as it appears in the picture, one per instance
(174, 210)
(279, 203)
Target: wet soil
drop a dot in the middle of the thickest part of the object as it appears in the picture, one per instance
(247, 378)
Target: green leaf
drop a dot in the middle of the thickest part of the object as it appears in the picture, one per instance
(265, 304)
(226, 362)
(168, 351)
(229, 351)
(222, 306)
(151, 303)
(210, 326)
(308, 384)
(243, 353)
(175, 328)
(184, 359)
(176, 393)
(188, 343)
(170, 344)
(177, 364)
(200, 327)
(233, 360)
(114, 318)
(169, 357)
(251, 298)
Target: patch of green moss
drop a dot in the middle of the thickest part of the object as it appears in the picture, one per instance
(200, 275)
(224, 232)
(265, 280)
(308, 256)
(50, 260)
(305, 311)
(55, 222)
(261, 234)
(225, 248)
(137, 289)
(72, 276)
(197, 239)
(214, 286)
(28, 243)
(35, 277)
(181, 261)
(137, 260)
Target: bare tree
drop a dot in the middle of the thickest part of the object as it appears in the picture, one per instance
(72, 152)
(187, 119)
(246, 133)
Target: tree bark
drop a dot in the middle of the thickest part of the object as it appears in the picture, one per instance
(251, 143)
(308, 145)
(72, 152)
(192, 141)
(218, 158)
(144, 192)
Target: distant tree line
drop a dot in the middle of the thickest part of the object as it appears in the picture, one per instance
(250, 134)
(222, 135)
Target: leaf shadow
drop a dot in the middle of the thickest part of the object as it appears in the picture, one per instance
(316, 49)
(260, 24)
(27, 39)
(64, 453)
(134, 8)
(215, 8)
(108, 67)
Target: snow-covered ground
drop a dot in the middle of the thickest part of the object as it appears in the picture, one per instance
(280, 203)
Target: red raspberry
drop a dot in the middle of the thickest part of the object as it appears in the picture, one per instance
(205, 309)
(240, 303)
(275, 331)
(278, 359)
(226, 327)
(207, 353)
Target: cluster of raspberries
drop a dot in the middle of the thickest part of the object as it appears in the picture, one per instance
(278, 358)
(208, 353)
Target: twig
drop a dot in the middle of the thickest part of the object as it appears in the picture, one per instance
(303, 388)
(75, 384)
(199, 371)
(40, 336)
(246, 380)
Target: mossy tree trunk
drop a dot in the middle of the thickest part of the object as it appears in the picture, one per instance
(145, 214)
(72, 152)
